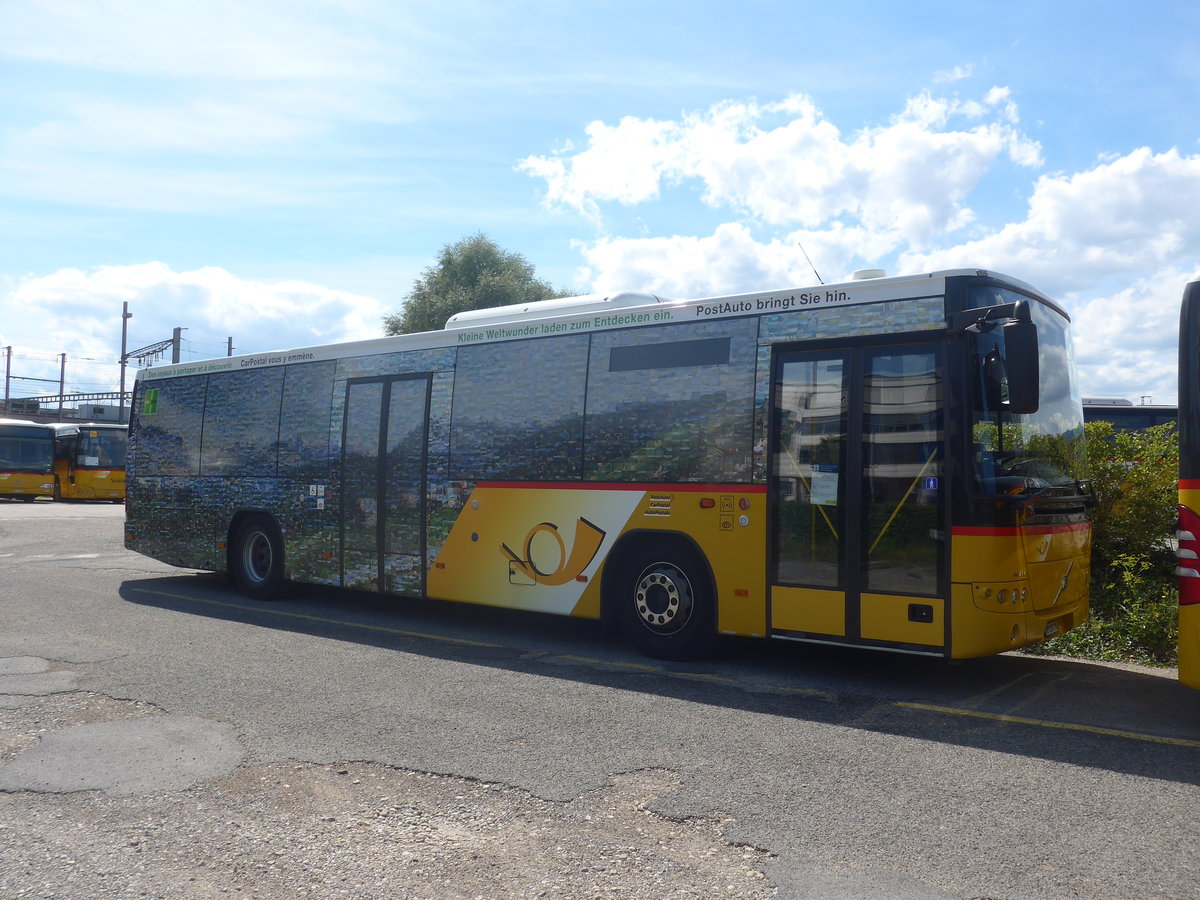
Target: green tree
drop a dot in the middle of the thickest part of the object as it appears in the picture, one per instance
(1134, 479)
(473, 273)
(1135, 484)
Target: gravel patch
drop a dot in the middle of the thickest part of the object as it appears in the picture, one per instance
(356, 830)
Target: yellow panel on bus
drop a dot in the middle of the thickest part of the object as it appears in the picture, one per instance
(812, 610)
(906, 620)
(540, 547)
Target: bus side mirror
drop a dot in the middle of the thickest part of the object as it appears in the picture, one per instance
(1021, 365)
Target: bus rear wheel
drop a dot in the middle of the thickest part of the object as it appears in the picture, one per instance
(256, 557)
(664, 602)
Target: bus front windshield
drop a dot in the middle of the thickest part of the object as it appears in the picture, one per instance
(101, 448)
(26, 450)
(1032, 454)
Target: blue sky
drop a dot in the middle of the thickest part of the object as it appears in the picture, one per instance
(281, 172)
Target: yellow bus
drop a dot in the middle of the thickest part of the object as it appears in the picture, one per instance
(89, 461)
(892, 463)
(1189, 487)
(26, 459)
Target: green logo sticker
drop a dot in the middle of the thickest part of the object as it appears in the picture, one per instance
(150, 402)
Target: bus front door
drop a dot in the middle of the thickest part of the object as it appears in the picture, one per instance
(383, 479)
(857, 490)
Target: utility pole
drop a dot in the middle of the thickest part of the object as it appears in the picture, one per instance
(229, 346)
(126, 315)
(176, 335)
(7, 375)
(62, 384)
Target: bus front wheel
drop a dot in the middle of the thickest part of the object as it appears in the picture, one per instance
(256, 557)
(664, 603)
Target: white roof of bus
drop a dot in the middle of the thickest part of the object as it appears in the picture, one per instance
(485, 325)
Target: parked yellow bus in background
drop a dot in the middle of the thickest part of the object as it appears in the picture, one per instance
(893, 463)
(89, 461)
(26, 459)
(1189, 487)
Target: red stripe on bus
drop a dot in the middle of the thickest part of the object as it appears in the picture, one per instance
(1189, 484)
(611, 486)
(1010, 530)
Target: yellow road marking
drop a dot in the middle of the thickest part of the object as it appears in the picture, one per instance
(695, 676)
(1046, 723)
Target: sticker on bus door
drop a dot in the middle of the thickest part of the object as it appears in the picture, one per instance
(824, 491)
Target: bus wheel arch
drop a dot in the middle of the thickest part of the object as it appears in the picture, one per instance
(659, 592)
(255, 555)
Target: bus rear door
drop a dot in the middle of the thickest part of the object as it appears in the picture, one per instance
(383, 484)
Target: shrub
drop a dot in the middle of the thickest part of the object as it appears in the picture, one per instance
(1135, 598)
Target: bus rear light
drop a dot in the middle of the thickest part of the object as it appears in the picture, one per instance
(1189, 585)
(1188, 554)
(707, 502)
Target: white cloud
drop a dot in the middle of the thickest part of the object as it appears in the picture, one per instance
(199, 125)
(958, 73)
(625, 164)
(83, 309)
(1126, 341)
(728, 261)
(1115, 243)
(784, 164)
(267, 41)
(1103, 227)
(181, 111)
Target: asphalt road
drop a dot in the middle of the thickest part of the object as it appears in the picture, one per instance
(833, 773)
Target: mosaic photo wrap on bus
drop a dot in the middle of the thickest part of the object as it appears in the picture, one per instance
(504, 465)
(518, 410)
(672, 403)
(218, 448)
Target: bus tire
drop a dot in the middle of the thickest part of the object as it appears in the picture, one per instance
(664, 600)
(256, 557)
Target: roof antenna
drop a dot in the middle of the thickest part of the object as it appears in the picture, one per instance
(810, 262)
